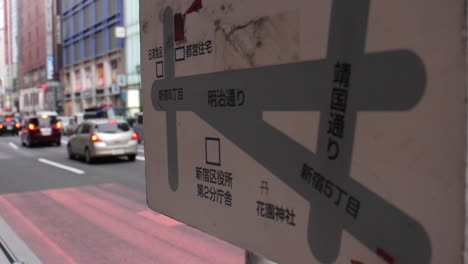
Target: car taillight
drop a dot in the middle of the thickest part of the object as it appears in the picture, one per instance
(95, 138)
(1, 126)
(17, 125)
(58, 125)
(134, 135)
(31, 126)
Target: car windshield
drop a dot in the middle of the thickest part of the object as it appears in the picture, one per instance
(44, 121)
(115, 113)
(112, 128)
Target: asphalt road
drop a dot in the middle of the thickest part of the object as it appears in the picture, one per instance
(67, 211)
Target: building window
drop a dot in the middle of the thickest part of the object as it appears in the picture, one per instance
(98, 8)
(88, 47)
(114, 64)
(70, 55)
(65, 28)
(65, 56)
(88, 78)
(76, 48)
(99, 42)
(65, 5)
(87, 16)
(76, 23)
(112, 7)
(68, 87)
(70, 23)
(113, 43)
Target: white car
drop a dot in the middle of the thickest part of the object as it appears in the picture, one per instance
(102, 138)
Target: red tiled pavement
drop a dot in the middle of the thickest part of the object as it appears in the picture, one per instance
(108, 223)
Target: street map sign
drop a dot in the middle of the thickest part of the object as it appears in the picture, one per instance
(309, 131)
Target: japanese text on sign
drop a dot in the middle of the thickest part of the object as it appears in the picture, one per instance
(176, 94)
(219, 177)
(276, 213)
(214, 194)
(226, 98)
(339, 97)
(214, 177)
(330, 190)
(198, 49)
(155, 53)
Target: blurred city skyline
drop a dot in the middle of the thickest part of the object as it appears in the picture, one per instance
(68, 55)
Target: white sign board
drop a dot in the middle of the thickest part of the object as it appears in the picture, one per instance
(119, 32)
(309, 131)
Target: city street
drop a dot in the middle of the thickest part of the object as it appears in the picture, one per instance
(67, 211)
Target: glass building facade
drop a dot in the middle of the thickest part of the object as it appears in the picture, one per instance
(88, 28)
(132, 55)
(93, 54)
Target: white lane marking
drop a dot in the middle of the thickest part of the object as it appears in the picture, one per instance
(13, 145)
(140, 158)
(141, 150)
(61, 166)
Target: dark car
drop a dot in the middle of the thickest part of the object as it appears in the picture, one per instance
(41, 129)
(9, 126)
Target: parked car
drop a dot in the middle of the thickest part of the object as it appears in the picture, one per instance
(10, 126)
(41, 129)
(102, 138)
(138, 126)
